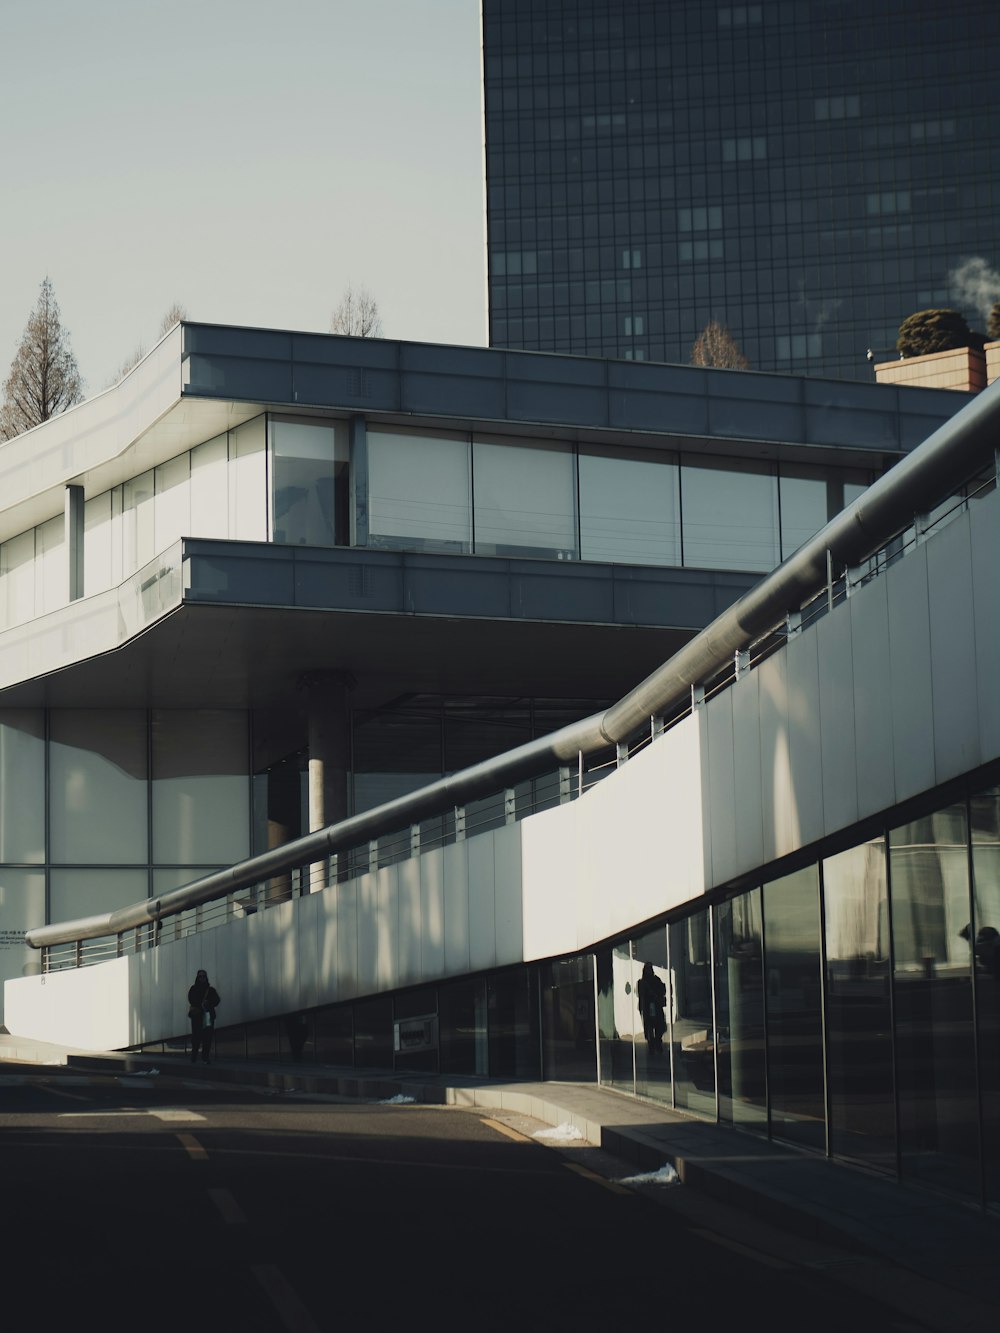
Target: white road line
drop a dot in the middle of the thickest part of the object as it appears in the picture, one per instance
(289, 1308)
(177, 1115)
(229, 1209)
(60, 1092)
(171, 1116)
(193, 1147)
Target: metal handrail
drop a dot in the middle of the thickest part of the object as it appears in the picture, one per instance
(954, 453)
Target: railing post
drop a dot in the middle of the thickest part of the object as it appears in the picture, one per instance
(921, 524)
(741, 662)
(414, 839)
(656, 726)
(459, 823)
(621, 753)
(565, 784)
(697, 697)
(79, 953)
(793, 623)
(509, 806)
(373, 854)
(829, 580)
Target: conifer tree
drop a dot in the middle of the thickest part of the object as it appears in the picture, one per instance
(44, 379)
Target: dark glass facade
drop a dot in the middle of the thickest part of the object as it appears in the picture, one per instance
(806, 173)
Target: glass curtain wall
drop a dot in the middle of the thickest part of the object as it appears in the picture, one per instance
(310, 482)
(739, 1002)
(692, 1025)
(985, 812)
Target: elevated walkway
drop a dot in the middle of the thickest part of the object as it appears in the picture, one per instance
(931, 1258)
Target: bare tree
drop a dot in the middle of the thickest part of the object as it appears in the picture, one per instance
(172, 316)
(716, 346)
(44, 379)
(357, 314)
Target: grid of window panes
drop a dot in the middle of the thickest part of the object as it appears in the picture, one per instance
(851, 1006)
(807, 174)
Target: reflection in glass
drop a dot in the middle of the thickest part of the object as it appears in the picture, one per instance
(462, 1030)
(512, 1011)
(935, 1061)
(629, 507)
(858, 1006)
(692, 1026)
(617, 1016)
(333, 1035)
(739, 1005)
(569, 1048)
(794, 1008)
(310, 483)
(985, 811)
(419, 491)
(373, 1033)
(810, 497)
(730, 517)
(651, 995)
(525, 500)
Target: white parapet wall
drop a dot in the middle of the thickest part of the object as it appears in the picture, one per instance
(891, 694)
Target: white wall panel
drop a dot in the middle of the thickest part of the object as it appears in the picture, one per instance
(802, 657)
(347, 940)
(910, 674)
(326, 943)
(387, 927)
(87, 1008)
(456, 908)
(410, 923)
(838, 752)
(875, 775)
(306, 921)
(953, 650)
(985, 531)
(549, 870)
(432, 912)
(777, 797)
(719, 788)
(508, 894)
(367, 934)
(748, 815)
(482, 902)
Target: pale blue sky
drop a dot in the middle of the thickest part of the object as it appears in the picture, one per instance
(247, 158)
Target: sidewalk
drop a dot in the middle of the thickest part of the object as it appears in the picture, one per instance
(949, 1251)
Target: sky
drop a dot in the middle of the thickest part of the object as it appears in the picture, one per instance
(244, 158)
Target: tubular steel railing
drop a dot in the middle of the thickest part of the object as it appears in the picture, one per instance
(954, 466)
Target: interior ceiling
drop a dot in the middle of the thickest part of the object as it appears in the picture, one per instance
(240, 657)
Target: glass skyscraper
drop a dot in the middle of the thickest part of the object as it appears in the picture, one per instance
(807, 173)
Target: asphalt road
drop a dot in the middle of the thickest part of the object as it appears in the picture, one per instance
(141, 1203)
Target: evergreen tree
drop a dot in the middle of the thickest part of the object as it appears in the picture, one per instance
(928, 331)
(44, 379)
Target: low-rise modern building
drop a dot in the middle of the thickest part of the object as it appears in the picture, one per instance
(334, 584)
(271, 579)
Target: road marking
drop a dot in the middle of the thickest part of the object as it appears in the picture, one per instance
(758, 1256)
(171, 1116)
(514, 1134)
(587, 1174)
(228, 1207)
(290, 1310)
(194, 1148)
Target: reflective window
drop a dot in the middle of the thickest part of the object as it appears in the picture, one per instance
(201, 793)
(138, 536)
(97, 544)
(512, 1011)
(692, 1027)
(651, 996)
(463, 1033)
(172, 502)
(618, 1016)
(210, 488)
(810, 497)
(858, 1007)
(51, 573)
(22, 903)
(985, 809)
(22, 785)
(629, 507)
(419, 491)
(248, 482)
(97, 786)
(525, 500)
(739, 1007)
(932, 952)
(569, 1048)
(17, 578)
(74, 893)
(730, 517)
(310, 482)
(794, 1008)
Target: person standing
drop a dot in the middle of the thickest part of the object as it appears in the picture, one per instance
(203, 1000)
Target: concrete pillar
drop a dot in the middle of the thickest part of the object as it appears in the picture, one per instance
(328, 695)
